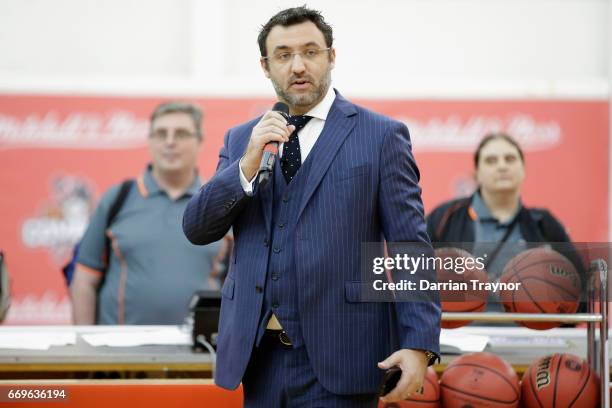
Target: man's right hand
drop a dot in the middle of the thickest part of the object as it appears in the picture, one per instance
(272, 127)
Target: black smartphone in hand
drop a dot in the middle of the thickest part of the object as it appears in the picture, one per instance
(389, 381)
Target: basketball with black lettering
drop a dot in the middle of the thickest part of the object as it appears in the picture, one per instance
(545, 282)
(460, 276)
(561, 381)
(479, 380)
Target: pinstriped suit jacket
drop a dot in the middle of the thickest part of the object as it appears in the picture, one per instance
(362, 187)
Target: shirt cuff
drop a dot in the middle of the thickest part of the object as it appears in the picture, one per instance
(247, 186)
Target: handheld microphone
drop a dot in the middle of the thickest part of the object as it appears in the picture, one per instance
(271, 149)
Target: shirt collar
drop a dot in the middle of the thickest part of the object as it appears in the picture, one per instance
(321, 110)
(484, 214)
(195, 186)
(151, 186)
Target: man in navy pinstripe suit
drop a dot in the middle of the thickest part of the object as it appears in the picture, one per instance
(292, 328)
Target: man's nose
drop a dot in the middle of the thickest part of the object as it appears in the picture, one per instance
(297, 63)
(170, 138)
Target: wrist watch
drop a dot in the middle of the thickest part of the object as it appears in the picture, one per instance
(431, 357)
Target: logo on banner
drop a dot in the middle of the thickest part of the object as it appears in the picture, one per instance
(62, 220)
(47, 308)
(76, 130)
(456, 134)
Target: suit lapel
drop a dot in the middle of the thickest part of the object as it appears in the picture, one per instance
(338, 125)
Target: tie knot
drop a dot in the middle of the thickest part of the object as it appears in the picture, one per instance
(299, 121)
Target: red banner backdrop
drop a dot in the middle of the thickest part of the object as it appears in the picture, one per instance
(59, 153)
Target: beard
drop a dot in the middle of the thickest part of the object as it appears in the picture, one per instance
(304, 100)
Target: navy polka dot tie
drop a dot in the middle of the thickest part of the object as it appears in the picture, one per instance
(292, 158)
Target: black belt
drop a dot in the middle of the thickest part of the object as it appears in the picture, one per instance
(278, 336)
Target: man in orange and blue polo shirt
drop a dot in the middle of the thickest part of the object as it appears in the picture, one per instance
(152, 270)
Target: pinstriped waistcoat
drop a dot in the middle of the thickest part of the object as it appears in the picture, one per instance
(280, 296)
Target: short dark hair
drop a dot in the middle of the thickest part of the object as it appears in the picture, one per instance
(497, 136)
(292, 16)
(180, 107)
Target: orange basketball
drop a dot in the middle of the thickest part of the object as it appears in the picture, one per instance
(560, 380)
(429, 399)
(479, 380)
(457, 266)
(549, 283)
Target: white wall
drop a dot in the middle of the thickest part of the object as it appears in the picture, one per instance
(386, 48)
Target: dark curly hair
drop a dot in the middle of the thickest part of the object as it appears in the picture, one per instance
(292, 16)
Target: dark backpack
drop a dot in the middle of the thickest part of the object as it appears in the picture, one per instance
(68, 269)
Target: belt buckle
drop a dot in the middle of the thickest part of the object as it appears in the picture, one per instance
(284, 338)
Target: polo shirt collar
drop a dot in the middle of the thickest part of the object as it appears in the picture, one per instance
(483, 213)
(151, 187)
(195, 186)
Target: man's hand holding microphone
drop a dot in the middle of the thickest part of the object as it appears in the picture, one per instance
(262, 149)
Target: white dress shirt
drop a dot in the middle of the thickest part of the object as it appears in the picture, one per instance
(307, 136)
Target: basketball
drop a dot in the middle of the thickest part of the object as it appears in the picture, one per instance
(479, 380)
(549, 283)
(560, 380)
(457, 266)
(429, 399)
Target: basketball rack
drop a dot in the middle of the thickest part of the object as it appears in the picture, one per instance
(597, 346)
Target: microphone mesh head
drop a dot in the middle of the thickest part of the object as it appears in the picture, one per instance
(281, 107)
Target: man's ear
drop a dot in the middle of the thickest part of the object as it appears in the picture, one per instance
(332, 58)
(264, 67)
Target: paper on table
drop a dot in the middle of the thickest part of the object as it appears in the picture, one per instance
(454, 342)
(36, 340)
(165, 336)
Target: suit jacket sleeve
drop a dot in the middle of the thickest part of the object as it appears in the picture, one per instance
(402, 218)
(211, 212)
